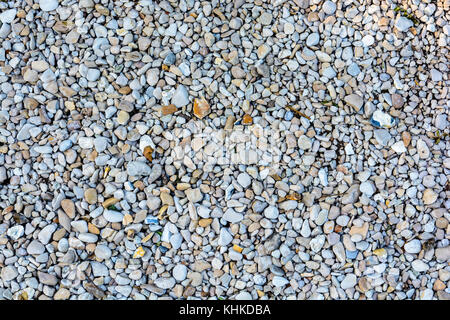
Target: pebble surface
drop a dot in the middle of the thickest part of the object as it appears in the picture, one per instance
(334, 182)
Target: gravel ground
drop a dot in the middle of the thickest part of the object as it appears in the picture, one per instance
(240, 149)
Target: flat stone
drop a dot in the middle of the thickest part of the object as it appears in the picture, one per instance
(181, 96)
(413, 246)
(179, 272)
(271, 212)
(112, 216)
(329, 7)
(138, 168)
(48, 5)
(232, 216)
(47, 279)
(442, 254)
(35, 247)
(348, 282)
(90, 195)
(9, 273)
(403, 23)
(355, 101)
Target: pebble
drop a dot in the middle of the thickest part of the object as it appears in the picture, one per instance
(413, 246)
(329, 7)
(312, 40)
(103, 252)
(179, 272)
(112, 216)
(48, 5)
(403, 24)
(348, 282)
(355, 101)
(138, 168)
(271, 212)
(180, 97)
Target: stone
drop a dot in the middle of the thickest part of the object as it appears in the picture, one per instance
(355, 101)
(442, 254)
(403, 24)
(422, 149)
(47, 279)
(113, 216)
(399, 147)
(436, 75)
(181, 96)
(329, 7)
(278, 281)
(90, 195)
(35, 247)
(46, 233)
(397, 101)
(179, 272)
(244, 180)
(413, 246)
(103, 252)
(352, 194)
(48, 5)
(232, 216)
(225, 237)
(265, 18)
(165, 283)
(69, 207)
(382, 136)
(312, 40)
(304, 143)
(194, 195)
(367, 188)
(271, 212)
(138, 168)
(9, 273)
(429, 196)
(201, 108)
(152, 77)
(8, 16)
(348, 282)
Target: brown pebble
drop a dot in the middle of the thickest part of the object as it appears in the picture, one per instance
(68, 207)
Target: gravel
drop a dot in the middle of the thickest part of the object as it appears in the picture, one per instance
(224, 150)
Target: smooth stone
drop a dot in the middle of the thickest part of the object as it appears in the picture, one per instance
(442, 254)
(403, 23)
(329, 7)
(355, 101)
(8, 16)
(271, 212)
(46, 233)
(225, 237)
(9, 273)
(232, 216)
(194, 195)
(367, 188)
(413, 246)
(138, 168)
(181, 96)
(382, 136)
(278, 281)
(112, 216)
(348, 282)
(312, 40)
(103, 252)
(48, 5)
(179, 272)
(35, 247)
(244, 179)
(165, 283)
